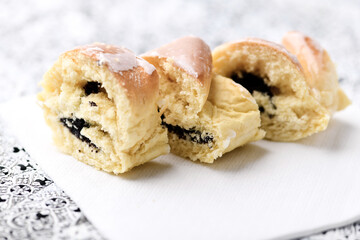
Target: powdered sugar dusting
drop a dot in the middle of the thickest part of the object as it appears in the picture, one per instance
(184, 63)
(117, 59)
(148, 68)
(188, 53)
(92, 50)
(119, 62)
(303, 46)
(274, 45)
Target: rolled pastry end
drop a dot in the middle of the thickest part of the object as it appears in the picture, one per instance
(184, 66)
(230, 119)
(276, 80)
(100, 102)
(319, 69)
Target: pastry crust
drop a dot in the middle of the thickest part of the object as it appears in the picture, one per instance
(100, 101)
(277, 81)
(229, 119)
(143, 86)
(320, 71)
(205, 125)
(184, 64)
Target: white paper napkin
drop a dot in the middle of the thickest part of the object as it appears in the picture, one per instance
(261, 191)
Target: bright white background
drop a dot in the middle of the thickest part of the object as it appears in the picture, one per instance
(34, 33)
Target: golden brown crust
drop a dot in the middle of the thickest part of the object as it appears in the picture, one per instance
(185, 69)
(189, 53)
(116, 120)
(136, 75)
(289, 111)
(320, 71)
(232, 46)
(313, 58)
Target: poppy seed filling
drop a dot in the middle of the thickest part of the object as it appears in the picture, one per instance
(189, 134)
(92, 87)
(255, 83)
(252, 83)
(75, 125)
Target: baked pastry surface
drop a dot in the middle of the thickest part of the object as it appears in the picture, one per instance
(184, 66)
(100, 102)
(230, 118)
(320, 71)
(209, 123)
(277, 81)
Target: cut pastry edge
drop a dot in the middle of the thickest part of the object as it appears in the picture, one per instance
(319, 69)
(185, 69)
(198, 152)
(101, 154)
(180, 93)
(80, 97)
(86, 92)
(282, 77)
(224, 124)
(189, 53)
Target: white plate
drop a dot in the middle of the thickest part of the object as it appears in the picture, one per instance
(260, 191)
